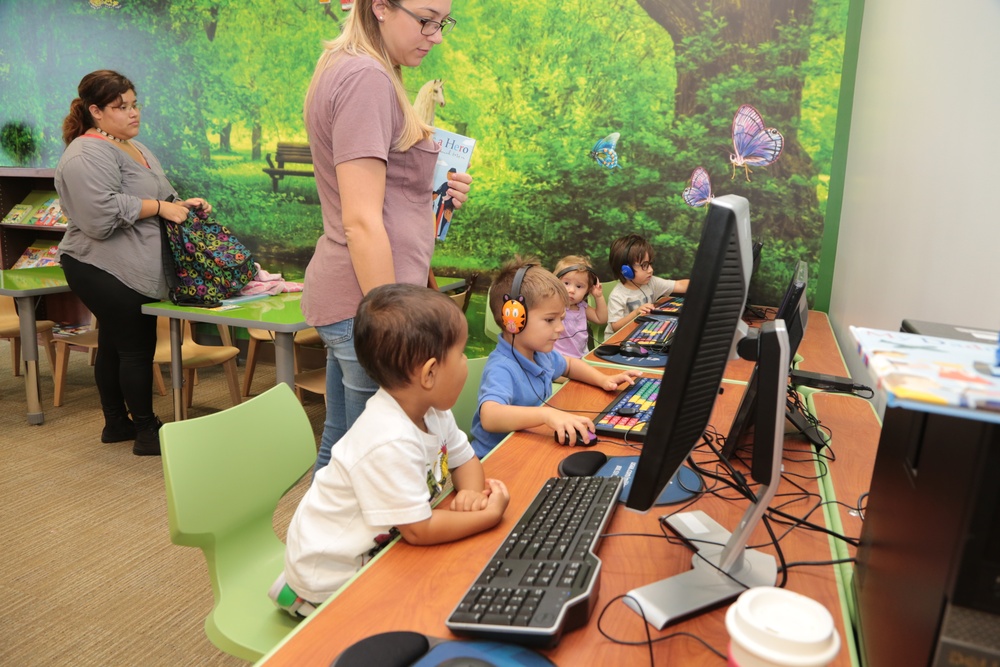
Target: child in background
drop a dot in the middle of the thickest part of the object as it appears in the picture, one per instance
(397, 457)
(579, 278)
(638, 290)
(529, 303)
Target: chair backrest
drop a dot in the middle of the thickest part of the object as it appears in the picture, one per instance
(490, 325)
(468, 399)
(227, 471)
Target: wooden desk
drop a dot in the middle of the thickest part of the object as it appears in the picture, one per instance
(415, 588)
(24, 285)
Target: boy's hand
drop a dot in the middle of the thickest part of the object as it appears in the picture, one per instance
(644, 309)
(497, 497)
(611, 384)
(467, 500)
(566, 423)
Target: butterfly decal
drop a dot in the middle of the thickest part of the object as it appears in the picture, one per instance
(699, 189)
(604, 151)
(754, 145)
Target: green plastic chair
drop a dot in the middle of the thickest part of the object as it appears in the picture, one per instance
(468, 400)
(225, 474)
(490, 326)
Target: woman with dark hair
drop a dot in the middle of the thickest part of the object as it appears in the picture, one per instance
(112, 188)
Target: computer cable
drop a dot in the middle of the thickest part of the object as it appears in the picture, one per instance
(806, 563)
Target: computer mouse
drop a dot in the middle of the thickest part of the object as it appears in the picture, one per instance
(630, 348)
(589, 442)
(627, 411)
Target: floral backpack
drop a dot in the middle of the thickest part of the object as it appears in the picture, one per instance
(203, 261)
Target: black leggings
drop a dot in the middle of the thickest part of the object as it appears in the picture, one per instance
(126, 339)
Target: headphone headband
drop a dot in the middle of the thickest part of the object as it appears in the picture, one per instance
(576, 267)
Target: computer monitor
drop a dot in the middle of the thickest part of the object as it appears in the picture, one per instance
(706, 330)
(794, 311)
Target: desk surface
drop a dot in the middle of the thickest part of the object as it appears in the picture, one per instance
(33, 282)
(414, 588)
(280, 313)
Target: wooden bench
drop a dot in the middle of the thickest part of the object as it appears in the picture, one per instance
(290, 153)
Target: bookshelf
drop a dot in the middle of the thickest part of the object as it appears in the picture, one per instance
(16, 183)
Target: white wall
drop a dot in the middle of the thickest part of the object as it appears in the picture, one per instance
(920, 229)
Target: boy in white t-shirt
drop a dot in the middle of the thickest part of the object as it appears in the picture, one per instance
(638, 290)
(396, 459)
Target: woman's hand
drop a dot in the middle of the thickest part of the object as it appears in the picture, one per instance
(173, 211)
(458, 188)
(197, 203)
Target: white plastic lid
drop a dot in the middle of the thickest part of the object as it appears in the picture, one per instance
(783, 627)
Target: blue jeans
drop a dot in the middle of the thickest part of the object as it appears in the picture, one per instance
(348, 387)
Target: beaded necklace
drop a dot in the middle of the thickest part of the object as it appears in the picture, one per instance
(112, 137)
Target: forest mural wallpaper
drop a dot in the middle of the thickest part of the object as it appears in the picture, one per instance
(592, 119)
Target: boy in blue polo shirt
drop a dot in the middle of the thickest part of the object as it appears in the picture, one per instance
(529, 303)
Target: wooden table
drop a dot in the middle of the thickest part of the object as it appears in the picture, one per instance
(25, 285)
(415, 588)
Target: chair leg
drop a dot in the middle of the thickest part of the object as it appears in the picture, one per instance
(189, 387)
(157, 379)
(251, 365)
(15, 355)
(59, 373)
(233, 379)
(50, 349)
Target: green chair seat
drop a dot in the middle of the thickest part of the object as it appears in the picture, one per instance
(224, 475)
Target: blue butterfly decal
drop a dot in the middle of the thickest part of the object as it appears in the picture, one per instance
(754, 145)
(699, 189)
(604, 151)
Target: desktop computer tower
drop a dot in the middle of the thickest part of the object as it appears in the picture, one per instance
(927, 579)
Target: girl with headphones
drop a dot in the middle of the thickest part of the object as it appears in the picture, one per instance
(580, 280)
(638, 290)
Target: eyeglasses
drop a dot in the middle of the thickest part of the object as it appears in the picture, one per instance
(125, 108)
(427, 26)
(645, 266)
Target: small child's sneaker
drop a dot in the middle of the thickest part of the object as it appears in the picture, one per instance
(285, 598)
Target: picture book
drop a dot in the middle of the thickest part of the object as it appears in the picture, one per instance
(50, 214)
(456, 151)
(18, 214)
(944, 375)
(39, 253)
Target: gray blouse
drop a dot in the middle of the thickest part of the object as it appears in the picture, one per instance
(101, 191)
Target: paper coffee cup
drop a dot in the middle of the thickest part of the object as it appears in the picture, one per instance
(774, 627)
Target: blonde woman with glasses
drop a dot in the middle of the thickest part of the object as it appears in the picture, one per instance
(374, 161)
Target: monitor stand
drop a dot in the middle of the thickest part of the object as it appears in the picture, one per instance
(722, 565)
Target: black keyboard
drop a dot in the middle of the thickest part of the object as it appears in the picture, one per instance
(544, 578)
(627, 415)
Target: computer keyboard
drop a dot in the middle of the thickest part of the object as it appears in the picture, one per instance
(627, 415)
(544, 578)
(654, 332)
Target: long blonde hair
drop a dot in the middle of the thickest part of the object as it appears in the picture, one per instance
(361, 36)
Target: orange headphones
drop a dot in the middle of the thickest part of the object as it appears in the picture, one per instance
(514, 314)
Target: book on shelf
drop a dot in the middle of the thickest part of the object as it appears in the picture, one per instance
(18, 214)
(40, 208)
(50, 214)
(456, 151)
(933, 374)
(39, 253)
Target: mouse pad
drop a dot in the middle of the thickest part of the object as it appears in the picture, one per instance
(481, 654)
(654, 360)
(682, 487)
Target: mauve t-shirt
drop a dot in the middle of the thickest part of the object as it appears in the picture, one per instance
(354, 113)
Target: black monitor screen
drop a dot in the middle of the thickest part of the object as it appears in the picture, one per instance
(794, 311)
(702, 346)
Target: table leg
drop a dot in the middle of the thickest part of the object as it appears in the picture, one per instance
(284, 358)
(29, 350)
(177, 369)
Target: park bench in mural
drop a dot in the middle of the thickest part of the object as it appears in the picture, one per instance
(288, 153)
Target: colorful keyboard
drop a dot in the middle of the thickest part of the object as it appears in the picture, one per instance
(654, 332)
(670, 306)
(627, 416)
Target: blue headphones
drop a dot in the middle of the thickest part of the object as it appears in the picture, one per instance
(628, 273)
